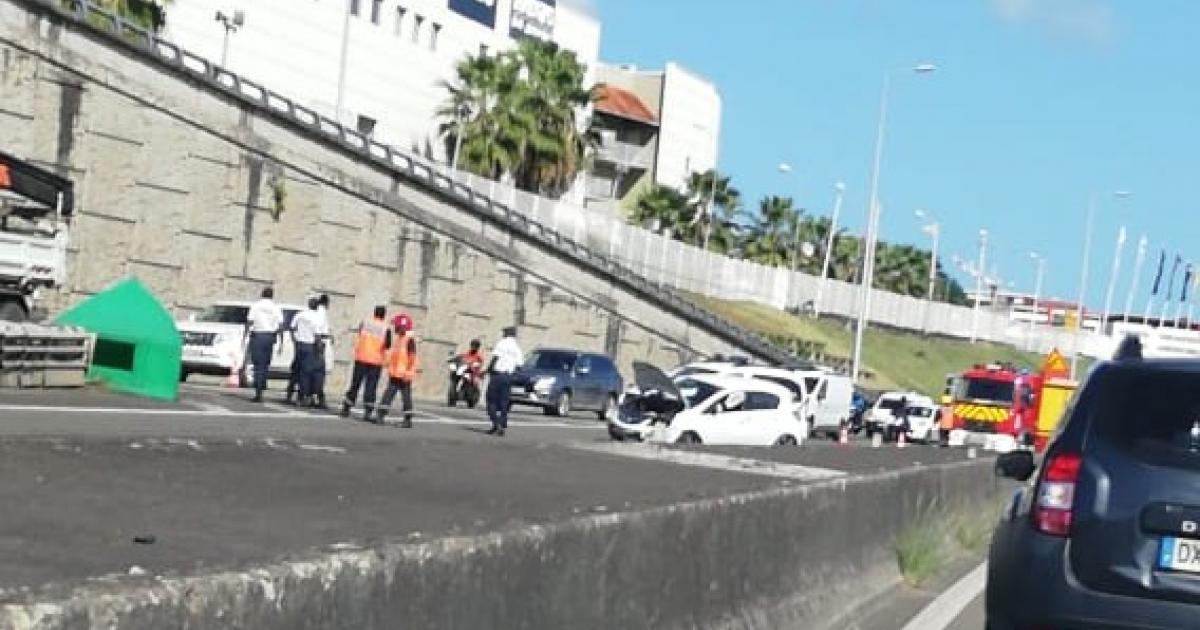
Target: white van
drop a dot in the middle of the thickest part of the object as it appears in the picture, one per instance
(830, 404)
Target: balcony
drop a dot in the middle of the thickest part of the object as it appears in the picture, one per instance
(625, 155)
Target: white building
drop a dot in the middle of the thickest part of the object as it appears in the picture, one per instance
(664, 125)
(375, 64)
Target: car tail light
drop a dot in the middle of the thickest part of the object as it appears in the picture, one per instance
(1056, 494)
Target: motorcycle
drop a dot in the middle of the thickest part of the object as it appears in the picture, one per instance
(464, 385)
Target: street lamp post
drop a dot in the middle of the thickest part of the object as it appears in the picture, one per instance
(231, 23)
(979, 281)
(872, 236)
(1037, 298)
(459, 113)
(343, 61)
(1083, 279)
(934, 230)
(840, 190)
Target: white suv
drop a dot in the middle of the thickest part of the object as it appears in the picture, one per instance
(215, 341)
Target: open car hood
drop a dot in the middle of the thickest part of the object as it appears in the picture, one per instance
(650, 378)
(656, 398)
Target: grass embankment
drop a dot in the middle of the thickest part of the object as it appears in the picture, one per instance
(897, 359)
(929, 544)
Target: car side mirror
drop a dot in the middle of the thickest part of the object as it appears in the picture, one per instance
(1017, 465)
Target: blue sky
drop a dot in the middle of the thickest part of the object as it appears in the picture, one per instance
(1036, 105)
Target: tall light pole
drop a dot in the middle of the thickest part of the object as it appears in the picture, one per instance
(934, 230)
(1137, 274)
(979, 282)
(343, 61)
(231, 23)
(1083, 279)
(1037, 298)
(872, 236)
(1116, 270)
(840, 190)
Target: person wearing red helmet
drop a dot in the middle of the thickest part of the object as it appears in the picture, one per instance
(402, 370)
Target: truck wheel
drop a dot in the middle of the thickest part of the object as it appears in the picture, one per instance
(12, 311)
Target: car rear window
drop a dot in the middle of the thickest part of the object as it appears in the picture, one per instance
(1152, 414)
(552, 360)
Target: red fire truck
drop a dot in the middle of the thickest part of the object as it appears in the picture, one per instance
(1001, 407)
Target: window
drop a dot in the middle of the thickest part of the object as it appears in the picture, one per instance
(823, 391)
(400, 11)
(810, 383)
(354, 7)
(417, 21)
(791, 386)
(551, 360)
(759, 401)
(433, 36)
(988, 390)
(1151, 414)
(376, 9)
(584, 365)
(695, 392)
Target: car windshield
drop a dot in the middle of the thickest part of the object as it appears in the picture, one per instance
(695, 392)
(920, 412)
(998, 392)
(224, 314)
(553, 360)
(891, 404)
(1152, 414)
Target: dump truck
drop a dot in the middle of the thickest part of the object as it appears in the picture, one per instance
(35, 210)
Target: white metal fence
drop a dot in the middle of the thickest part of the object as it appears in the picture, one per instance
(669, 262)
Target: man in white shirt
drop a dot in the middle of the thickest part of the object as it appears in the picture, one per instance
(506, 358)
(305, 332)
(264, 322)
(324, 349)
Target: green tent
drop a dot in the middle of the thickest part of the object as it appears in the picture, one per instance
(138, 348)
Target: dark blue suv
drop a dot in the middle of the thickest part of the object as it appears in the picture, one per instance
(1106, 531)
(559, 380)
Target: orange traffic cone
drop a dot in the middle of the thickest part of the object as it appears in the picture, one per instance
(900, 443)
(843, 436)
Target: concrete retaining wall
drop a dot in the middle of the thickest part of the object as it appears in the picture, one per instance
(177, 182)
(786, 558)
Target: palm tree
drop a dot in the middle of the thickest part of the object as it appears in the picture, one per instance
(555, 150)
(772, 238)
(662, 207)
(517, 115)
(492, 134)
(714, 203)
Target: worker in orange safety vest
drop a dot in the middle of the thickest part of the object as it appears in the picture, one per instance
(945, 420)
(370, 351)
(402, 370)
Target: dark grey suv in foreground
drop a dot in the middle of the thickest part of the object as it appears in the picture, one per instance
(1106, 533)
(559, 380)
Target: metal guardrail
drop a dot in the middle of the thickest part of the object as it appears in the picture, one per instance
(418, 171)
(33, 355)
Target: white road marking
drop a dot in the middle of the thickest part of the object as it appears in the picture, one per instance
(423, 417)
(712, 460)
(944, 610)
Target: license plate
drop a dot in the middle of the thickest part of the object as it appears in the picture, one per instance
(520, 391)
(1179, 554)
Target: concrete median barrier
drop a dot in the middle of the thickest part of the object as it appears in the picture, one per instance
(792, 556)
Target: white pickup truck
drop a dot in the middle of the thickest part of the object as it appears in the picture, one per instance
(35, 208)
